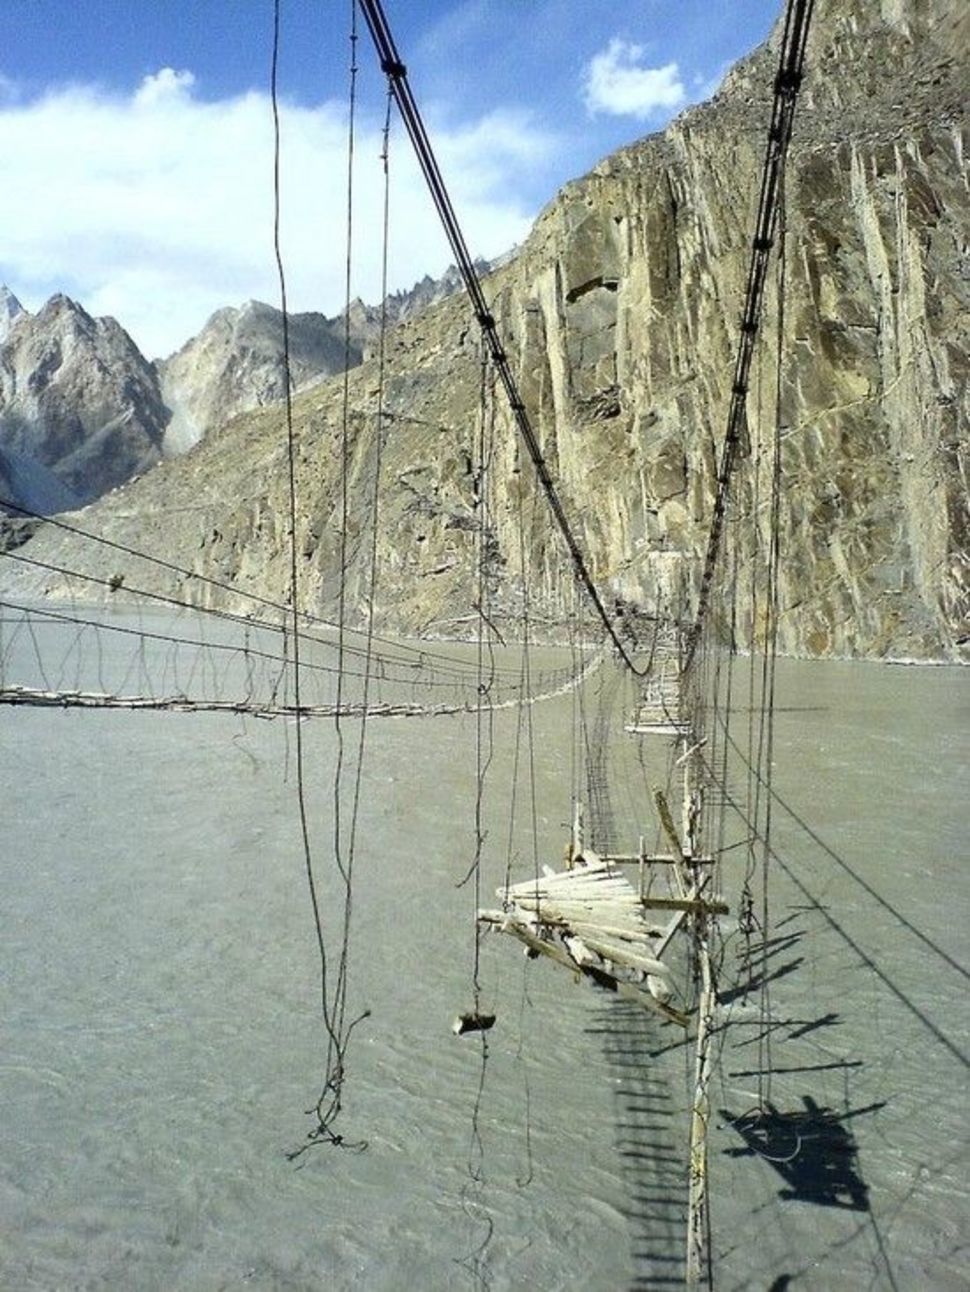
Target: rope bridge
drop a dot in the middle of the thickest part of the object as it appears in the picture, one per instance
(131, 656)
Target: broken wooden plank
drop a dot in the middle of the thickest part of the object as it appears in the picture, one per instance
(679, 917)
(653, 858)
(592, 913)
(667, 821)
(610, 949)
(553, 951)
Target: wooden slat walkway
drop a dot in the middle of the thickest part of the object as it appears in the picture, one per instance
(659, 709)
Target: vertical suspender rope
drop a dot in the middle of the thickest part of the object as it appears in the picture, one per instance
(294, 580)
(329, 1102)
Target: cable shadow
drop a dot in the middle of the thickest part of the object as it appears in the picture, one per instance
(650, 1140)
(812, 1149)
(756, 980)
(802, 1027)
(841, 862)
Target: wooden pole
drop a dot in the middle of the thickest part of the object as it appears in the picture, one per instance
(698, 1223)
(698, 1255)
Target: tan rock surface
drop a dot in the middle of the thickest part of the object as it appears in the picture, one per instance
(621, 316)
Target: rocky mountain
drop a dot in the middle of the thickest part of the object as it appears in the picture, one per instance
(124, 414)
(366, 320)
(621, 314)
(80, 410)
(235, 364)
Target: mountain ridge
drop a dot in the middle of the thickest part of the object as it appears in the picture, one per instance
(231, 365)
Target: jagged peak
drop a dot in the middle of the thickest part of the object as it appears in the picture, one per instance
(10, 311)
(9, 303)
(62, 308)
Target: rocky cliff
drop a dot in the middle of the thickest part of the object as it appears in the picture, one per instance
(621, 313)
(65, 374)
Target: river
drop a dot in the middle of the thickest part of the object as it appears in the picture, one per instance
(162, 1035)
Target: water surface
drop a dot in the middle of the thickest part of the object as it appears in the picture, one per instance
(162, 1036)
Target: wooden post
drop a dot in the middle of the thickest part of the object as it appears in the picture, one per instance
(698, 1215)
(687, 817)
(698, 1254)
(577, 841)
(667, 821)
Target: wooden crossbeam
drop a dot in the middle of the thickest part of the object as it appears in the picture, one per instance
(685, 904)
(653, 859)
(657, 728)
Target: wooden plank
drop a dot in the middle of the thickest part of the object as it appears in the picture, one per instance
(634, 933)
(581, 875)
(667, 821)
(593, 913)
(594, 881)
(613, 950)
(656, 728)
(599, 883)
(685, 904)
(616, 891)
(554, 952)
(679, 918)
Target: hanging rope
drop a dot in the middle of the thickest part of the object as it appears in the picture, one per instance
(329, 1103)
(396, 73)
(765, 765)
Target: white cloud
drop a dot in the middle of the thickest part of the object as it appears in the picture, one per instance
(158, 207)
(614, 81)
(166, 84)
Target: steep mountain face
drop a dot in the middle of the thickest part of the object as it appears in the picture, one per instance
(366, 321)
(80, 410)
(235, 364)
(621, 314)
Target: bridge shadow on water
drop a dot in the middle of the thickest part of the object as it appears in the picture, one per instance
(650, 1128)
(812, 1149)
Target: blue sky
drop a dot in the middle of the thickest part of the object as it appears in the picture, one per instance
(136, 136)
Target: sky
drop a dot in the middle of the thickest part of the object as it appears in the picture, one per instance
(137, 138)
